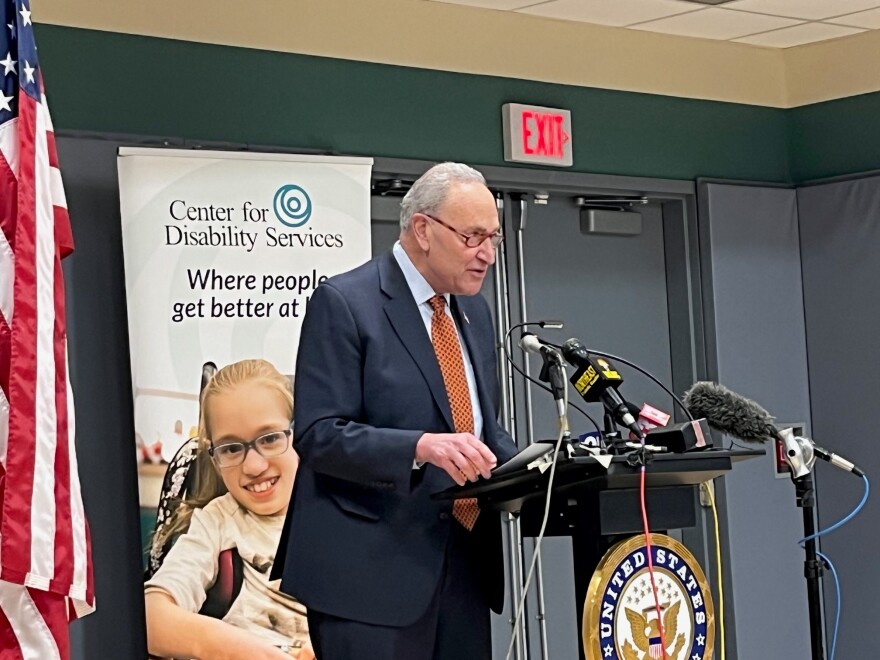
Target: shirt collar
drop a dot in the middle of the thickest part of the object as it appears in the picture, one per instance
(418, 285)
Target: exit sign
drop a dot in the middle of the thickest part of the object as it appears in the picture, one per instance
(534, 134)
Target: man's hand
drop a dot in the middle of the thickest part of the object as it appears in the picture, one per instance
(461, 455)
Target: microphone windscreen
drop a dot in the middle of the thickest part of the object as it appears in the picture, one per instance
(530, 343)
(729, 412)
(571, 347)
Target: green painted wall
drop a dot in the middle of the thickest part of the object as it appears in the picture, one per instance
(835, 138)
(100, 81)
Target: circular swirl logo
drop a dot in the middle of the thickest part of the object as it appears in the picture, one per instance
(292, 205)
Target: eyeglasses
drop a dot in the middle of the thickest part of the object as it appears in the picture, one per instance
(472, 240)
(230, 454)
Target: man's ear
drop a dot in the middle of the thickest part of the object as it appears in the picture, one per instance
(418, 225)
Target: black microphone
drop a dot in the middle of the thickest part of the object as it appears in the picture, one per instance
(742, 418)
(596, 380)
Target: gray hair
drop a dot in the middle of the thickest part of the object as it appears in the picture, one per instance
(429, 192)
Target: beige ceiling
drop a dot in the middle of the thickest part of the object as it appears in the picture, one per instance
(524, 44)
(773, 23)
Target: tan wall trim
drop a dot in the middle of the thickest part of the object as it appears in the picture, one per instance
(470, 40)
(833, 69)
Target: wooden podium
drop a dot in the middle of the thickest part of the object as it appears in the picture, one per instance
(598, 507)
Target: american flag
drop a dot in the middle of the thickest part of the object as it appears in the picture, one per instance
(45, 563)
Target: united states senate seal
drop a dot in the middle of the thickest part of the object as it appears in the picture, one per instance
(621, 618)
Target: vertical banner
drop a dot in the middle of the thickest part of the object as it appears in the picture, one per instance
(222, 251)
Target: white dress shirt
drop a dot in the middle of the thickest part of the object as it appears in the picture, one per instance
(422, 293)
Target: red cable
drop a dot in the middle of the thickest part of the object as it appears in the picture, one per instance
(650, 559)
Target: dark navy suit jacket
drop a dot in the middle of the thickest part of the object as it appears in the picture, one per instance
(363, 540)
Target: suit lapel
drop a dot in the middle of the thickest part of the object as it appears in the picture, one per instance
(405, 318)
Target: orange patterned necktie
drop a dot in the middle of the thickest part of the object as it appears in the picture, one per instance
(448, 351)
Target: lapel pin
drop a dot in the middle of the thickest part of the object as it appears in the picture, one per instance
(466, 319)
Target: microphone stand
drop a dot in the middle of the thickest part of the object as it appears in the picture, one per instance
(553, 372)
(814, 567)
(612, 438)
(800, 457)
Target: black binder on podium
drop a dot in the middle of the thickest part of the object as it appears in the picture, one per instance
(598, 507)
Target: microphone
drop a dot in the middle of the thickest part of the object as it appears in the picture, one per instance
(531, 343)
(552, 372)
(837, 461)
(742, 418)
(801, 453)
(730, 413)
(596, 380)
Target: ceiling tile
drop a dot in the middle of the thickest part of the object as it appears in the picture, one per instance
(812, 10)
(799, 34)
(491, 4)
(717, 24)
(608, 12)
(867, 19)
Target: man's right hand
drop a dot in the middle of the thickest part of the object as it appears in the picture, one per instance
(461, 455)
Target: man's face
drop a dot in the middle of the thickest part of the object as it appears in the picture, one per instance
(450, 266)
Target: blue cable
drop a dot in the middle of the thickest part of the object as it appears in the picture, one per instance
(837, 593)
(845, 520)
(824, 558)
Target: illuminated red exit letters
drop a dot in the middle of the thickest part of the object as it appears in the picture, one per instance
(535, 134)
(542, 134)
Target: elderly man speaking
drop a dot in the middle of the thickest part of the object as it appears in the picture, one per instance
(397, 399)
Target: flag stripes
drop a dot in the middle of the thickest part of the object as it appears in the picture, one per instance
(45, 564)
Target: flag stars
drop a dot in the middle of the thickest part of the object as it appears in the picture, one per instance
(11, 27)
(25, 16)
(4, 102)
(8, 64)
(29, 71)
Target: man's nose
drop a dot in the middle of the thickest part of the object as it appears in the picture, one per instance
(487, 252)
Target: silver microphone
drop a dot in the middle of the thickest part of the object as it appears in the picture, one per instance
(531, 344)
(801, 453)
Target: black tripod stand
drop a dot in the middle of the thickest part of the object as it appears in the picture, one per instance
(800, 454)
(814, 566)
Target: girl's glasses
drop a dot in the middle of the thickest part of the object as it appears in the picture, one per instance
(230, 454)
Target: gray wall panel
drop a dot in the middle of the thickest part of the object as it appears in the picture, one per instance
(761, 353)
(840, 239)
(611, 293)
